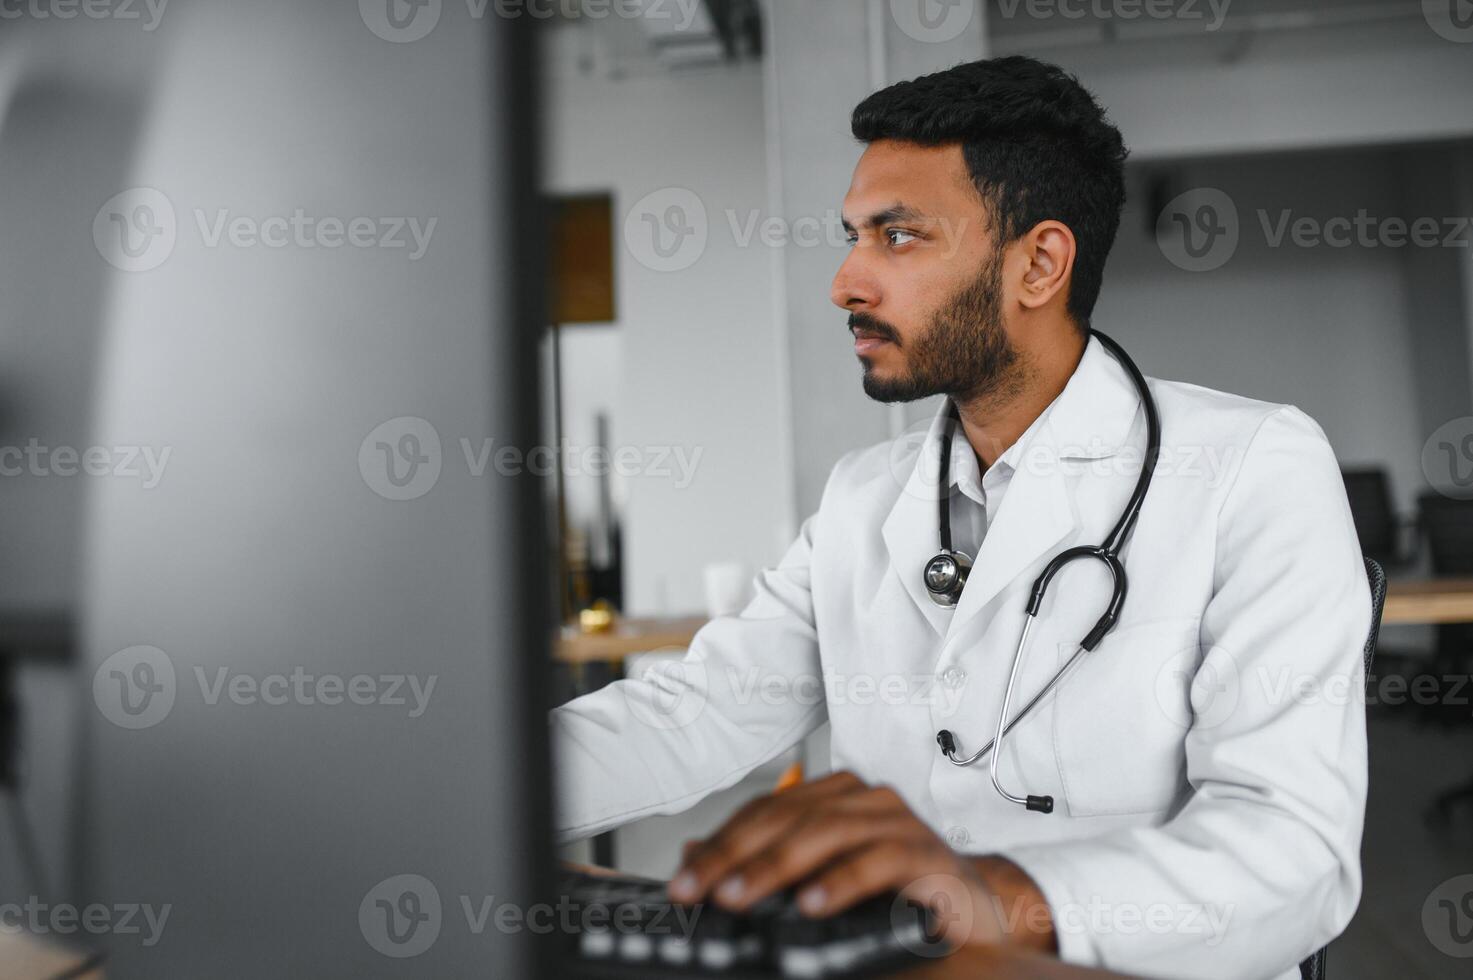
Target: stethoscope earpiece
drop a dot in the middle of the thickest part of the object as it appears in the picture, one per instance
(946, 575)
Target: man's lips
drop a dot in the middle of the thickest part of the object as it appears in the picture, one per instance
(867, 340)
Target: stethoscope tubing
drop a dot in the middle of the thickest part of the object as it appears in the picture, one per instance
(1024, 711)
(1107, 552)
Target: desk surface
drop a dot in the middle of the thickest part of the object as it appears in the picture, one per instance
(29, 958)
(1432, 600)
(629, 635)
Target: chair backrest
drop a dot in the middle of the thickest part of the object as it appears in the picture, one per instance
(1369, 494)
(1448, 523)
(1314, 967)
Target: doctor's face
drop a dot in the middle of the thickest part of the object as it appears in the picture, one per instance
(923, 278)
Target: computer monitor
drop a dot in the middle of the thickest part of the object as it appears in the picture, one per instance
(314, 645)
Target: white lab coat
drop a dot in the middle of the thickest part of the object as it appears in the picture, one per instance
(1208, 759)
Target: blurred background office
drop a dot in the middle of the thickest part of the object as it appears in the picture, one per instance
(1298, 230)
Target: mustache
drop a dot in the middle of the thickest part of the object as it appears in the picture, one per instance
(869, 323)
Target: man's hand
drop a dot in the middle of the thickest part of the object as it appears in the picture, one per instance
(840, 841)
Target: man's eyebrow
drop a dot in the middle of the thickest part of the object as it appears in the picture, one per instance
(895, 212)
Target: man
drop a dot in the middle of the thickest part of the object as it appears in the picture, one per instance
(1208, 758)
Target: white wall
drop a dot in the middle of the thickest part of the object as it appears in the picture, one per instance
(1205, 93)
(698, 346)
(824, 57)
(1324, 328)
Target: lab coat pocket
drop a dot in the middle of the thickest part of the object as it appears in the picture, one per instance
(1119, 736)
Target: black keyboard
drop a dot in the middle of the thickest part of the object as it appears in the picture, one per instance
(626, 927)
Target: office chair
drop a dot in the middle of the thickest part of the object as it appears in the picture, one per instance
(1314, 967)
(1383, 536)
(1448, 525)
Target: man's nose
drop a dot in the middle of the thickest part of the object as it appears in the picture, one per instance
(852, 289)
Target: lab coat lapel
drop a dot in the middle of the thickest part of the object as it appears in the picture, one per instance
(1090, 419)
(1035, 515)
(911, 529)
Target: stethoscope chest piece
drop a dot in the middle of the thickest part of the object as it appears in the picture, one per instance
(946, 576)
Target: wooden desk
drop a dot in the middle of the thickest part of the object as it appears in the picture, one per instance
(25, 957)
(1424, 601)
(1433, 600)
(629, 635)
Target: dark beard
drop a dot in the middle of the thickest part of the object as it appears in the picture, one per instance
(965, 353)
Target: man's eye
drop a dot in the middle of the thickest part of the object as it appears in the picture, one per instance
(898, 236)
(851, 239)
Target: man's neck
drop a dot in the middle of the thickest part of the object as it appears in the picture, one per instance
(994, 421)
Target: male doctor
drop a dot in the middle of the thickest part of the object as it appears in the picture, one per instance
(1207, 759)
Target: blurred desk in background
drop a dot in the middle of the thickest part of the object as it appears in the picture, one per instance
(1429, 601)
(629, 636)
(1415, 601)
(31, 958)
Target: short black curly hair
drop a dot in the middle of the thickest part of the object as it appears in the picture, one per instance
(1037, 145)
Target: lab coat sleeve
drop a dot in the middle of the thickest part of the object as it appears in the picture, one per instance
(1260, 866)
(660, 743)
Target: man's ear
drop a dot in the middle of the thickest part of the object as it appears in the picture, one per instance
(1048, 249)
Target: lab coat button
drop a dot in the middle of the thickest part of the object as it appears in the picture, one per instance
(954, 677)
(958, 837)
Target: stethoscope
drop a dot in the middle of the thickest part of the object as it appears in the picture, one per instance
(946, 575)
